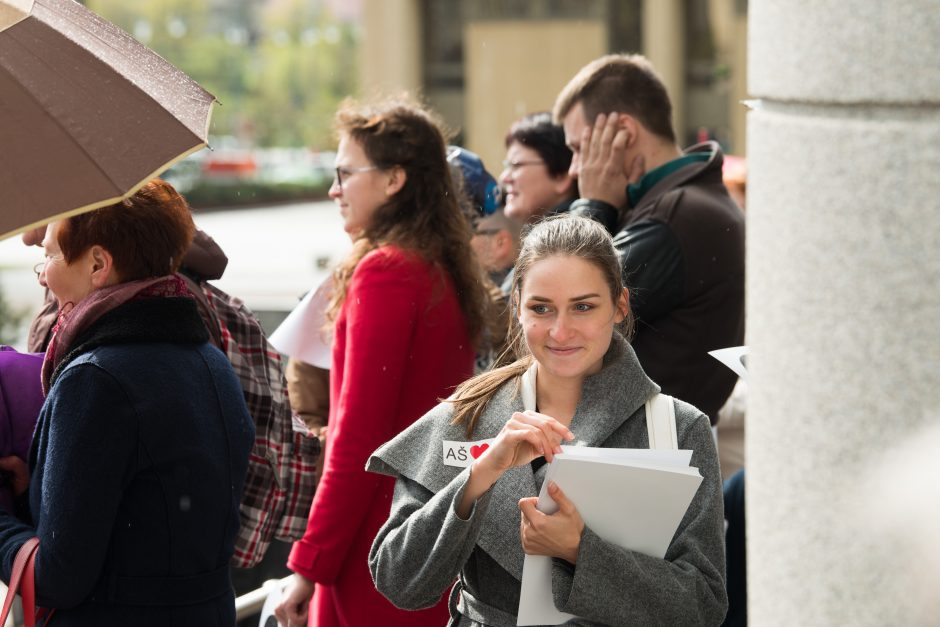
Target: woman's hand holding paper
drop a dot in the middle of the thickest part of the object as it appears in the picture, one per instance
(553, 535)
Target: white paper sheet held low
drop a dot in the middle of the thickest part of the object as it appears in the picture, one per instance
(634, 498)
(734, 357)
(301, 335)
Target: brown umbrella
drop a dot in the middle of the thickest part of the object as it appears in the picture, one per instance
(87, 113)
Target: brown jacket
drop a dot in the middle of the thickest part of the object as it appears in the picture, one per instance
(682, 252)
(695, 301)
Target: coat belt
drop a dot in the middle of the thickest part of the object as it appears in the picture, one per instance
(466, 604)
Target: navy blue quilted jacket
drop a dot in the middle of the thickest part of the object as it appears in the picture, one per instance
(137, 468)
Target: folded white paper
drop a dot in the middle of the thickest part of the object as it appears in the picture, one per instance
(270, 604)
(734, 357)
(301, 335)
(634, 498)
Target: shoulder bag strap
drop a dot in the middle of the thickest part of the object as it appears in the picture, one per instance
(661, 422)
(22, 575)
(529, 402)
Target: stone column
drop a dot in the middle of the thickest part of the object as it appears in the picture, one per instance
(843, 297)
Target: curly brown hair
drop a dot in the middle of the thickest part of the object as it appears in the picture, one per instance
(424, 216)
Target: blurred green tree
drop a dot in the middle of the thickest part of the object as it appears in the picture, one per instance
(278, 67)
(306, 64)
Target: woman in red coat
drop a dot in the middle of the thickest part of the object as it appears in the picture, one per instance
(407, 309)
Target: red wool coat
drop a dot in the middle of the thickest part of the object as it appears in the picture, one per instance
(400, 344)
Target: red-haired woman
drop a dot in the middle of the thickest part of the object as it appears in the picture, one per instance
(408, 305)
(140, 451)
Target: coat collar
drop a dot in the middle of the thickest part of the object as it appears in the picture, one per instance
(710, 167)
(611, 396)
(170, 319)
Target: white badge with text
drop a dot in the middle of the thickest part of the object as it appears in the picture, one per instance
(462, 454)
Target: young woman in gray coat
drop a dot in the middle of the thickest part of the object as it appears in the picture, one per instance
(468, 468)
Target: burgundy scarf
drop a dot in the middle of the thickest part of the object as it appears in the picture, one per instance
(88, 310)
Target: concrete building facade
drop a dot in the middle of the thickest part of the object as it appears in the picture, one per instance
(483, 65)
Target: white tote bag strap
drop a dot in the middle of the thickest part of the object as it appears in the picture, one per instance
(661, 422)
(528, 387)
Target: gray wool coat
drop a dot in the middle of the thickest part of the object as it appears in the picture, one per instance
(424, 546)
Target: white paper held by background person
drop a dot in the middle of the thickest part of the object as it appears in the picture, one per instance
(301, 334)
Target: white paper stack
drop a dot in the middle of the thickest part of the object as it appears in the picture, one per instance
(634, 498)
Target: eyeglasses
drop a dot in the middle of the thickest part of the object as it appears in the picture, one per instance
(486, 232)
(38, 268)
(345, 173)
(512, 166)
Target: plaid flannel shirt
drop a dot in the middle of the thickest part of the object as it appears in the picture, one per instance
(281, 479)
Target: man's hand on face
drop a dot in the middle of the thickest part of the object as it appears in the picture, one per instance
(604, 175)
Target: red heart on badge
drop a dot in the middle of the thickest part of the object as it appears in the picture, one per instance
(476, 451)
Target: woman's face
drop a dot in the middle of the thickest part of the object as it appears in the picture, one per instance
(568, 316)
(530, 191)
(359, 188)
(68, 282)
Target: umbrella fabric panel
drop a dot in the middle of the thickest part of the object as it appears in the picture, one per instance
(60, 98)
(172, 89)
(87, 114)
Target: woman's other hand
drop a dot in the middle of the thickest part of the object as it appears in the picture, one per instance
(553, 535)
(602, 174)
(294, 605)
(18, 472)
(524, 437)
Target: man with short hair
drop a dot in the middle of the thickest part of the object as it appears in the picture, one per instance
(679, 233)
(496, 244)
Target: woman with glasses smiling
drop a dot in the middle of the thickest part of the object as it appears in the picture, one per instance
(406, 312)
(535, 176)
